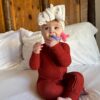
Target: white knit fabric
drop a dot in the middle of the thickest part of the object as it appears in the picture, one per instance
(54, 12)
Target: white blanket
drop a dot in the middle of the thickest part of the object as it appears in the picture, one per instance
(92, 80)
(19, 84)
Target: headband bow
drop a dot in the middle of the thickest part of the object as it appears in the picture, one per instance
(54, 12)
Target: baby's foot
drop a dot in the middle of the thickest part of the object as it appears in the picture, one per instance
(84, 92)
(60, 98)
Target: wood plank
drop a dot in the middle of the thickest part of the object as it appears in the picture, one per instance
(91, 12)
(2, 24)
(84, 10)
(72, 11)
(56, 2)
(24, 14)
(7, 15)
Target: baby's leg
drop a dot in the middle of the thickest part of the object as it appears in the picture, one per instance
(49, 90)
(73, 83)
(60, 98)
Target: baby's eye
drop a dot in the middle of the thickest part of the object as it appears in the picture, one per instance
(46, 28)
(56, 27)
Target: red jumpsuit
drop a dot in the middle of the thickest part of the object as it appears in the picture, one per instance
(53, 81)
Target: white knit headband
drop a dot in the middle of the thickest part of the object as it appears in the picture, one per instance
(52, 13)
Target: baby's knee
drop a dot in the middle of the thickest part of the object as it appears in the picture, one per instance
(78, 77)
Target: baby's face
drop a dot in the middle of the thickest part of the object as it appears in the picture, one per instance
(51, 28)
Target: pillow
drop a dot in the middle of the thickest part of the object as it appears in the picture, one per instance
(10, 50)
(29, 38)
(83, 46)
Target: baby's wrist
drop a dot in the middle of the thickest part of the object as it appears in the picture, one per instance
(36, 52)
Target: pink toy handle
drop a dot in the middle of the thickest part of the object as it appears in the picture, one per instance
(64, 36)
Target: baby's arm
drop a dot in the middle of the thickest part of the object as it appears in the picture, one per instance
(62, 54)
(35, 57)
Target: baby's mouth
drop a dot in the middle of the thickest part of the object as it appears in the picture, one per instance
(55, 37)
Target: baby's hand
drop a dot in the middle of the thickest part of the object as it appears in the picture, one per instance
(37, 48)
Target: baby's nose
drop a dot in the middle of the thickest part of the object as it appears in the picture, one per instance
(51, 30)
(51, 33)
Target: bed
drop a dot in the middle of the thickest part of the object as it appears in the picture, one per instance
(20, 85)
(18, 81)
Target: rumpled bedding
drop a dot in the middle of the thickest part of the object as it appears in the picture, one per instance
(20, 84)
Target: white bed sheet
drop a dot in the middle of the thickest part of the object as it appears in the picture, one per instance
(92, 80)
(19, 84)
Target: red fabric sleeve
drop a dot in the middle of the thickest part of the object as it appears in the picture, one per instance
(34, 61)
(62, 54)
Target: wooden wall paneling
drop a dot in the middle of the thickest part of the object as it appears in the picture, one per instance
(91, 12)
(44, 4)
(56, 2)
(84, 10)
(72, 11)
(7, 15)
(24, 14)
(2, 23)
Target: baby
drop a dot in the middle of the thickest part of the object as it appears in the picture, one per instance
(52, 58)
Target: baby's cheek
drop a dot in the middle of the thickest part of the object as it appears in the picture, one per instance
(46, 36)
(58, 34)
